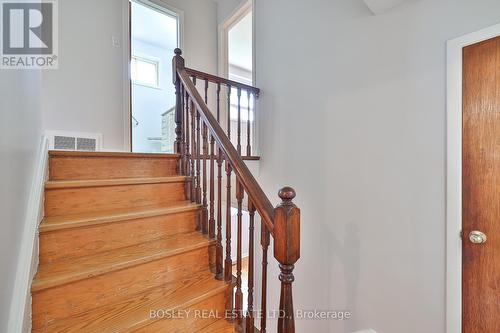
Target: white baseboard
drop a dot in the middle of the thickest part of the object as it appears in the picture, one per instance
(20, 310)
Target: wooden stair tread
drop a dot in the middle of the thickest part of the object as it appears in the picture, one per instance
(66, 271)
(95, 218)
(65, 184)
(118, 240)
(69, 153)
(133, 313)
(220, 326)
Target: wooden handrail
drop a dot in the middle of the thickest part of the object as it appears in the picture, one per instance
(216, 79)
(193, 117)
(259, 198)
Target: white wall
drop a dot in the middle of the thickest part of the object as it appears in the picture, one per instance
(381, 6)
(199, 47)
(226, 7)
(365, 102)
(20, 133)
(87, 92)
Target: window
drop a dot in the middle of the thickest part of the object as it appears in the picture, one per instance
(145, 71)
(243, 106)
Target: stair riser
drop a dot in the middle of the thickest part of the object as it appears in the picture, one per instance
(94, 199)
(213, 306)
(119, 240)
(83, 241)
(79, 168)
(70, 299)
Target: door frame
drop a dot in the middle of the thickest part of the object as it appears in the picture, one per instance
(223, 62)
(224, 27)
(161, 5)
(454, 173)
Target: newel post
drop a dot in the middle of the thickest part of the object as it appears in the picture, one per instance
(287, 252)
(178, 63)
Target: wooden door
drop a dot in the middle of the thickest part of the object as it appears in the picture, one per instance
(481, 187)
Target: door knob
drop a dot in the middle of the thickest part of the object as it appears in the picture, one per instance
(477, 237)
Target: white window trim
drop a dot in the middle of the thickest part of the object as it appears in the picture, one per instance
(232, 19)
(150, 60)
(454, 174)
(236, 16)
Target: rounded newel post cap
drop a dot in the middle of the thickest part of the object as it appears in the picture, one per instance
(178, 51)
(287, 193)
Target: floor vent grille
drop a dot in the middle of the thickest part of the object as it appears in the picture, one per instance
(59, 140)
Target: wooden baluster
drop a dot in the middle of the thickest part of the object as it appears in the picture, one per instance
(228, 265)
(183, 132)
(198, 170)
(193, 154)
(219, 256)
(287, 252)
(185, 112)
(185, 128)
(229, 112)
(198, 159)
(196, 163)
(204, 184)
(206, 91)
(218, 247)
(198, 142)
(187, 164)
(239, 293)
(264, 242)
(183, 138)
(250, 317)
(211, 222)
(249, 127)
(238, 144)
(218, 103)
(177, 64)
(185, 135)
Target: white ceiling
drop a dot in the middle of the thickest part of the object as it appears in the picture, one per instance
(153, 27)
(240, 43)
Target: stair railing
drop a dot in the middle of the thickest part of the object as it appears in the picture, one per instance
(201, 139)
(232, 90)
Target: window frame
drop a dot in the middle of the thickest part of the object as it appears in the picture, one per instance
(150, 60)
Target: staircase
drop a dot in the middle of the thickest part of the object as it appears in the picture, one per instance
(135, 243)
(118, 241)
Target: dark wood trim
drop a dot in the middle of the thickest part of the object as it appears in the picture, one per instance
(228, 273)
(244, 158)
(264, 242)
(238, 295)
(250, 158)
(204, 178)
(255, 192)
(211, 221)
(282, 222)
(219, 250)
(216, 79)
(287, 252)
(250, 283)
